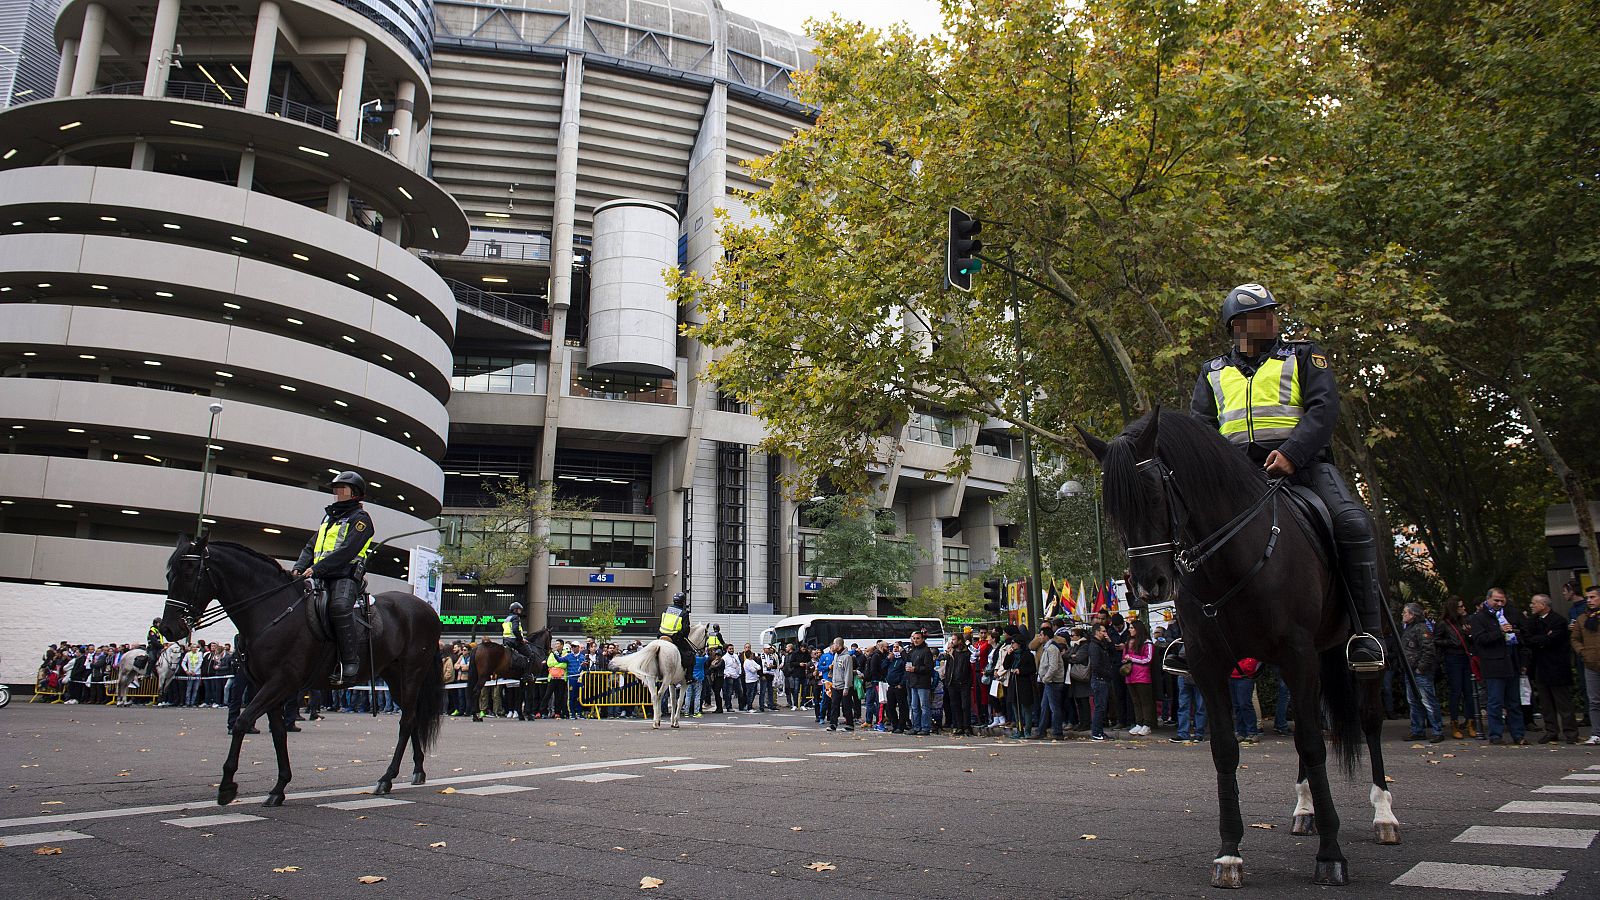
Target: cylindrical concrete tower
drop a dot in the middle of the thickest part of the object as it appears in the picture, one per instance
(633, 325)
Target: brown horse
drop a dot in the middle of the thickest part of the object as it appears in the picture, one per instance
(491, 660)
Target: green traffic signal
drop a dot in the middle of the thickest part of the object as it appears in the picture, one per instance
(961, 250)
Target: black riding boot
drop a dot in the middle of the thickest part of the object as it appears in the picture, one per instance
(1174, 662)
(1364, 651)
(341, 609)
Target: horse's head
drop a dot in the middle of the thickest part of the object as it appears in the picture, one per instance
(190, 588)
(697, 637)
(1141, 502)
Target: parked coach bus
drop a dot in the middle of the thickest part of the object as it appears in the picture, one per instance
(820, 630)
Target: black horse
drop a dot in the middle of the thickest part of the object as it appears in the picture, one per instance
(492, 660)
(1205, 527)
(282, 657)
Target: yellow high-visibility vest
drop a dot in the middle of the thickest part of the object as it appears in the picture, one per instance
(714, 641)
(506, 626)
(330, 536)
(671, 620)
(1260, 407)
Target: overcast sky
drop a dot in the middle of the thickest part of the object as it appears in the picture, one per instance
(922, 16)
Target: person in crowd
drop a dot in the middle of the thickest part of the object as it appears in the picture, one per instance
(896, 706)
(1549, 634)
(714, 675)
(1496, 636)
(794, 672)
(821, 665)
(1052, 684)
(1585, 637)
(1419, 650)
(1024, 688)
(1572, 599)
(1161, 683)
(193, 658)
(1455, 655)
(1242, 687)
(1137, 656)
(920, 663)
(732, 680)
(766, 693)
(1102, 662)
(1077, 662)
(958, 686)
(841, 682)
(556, 694)
(1121, 699)
(695, 684)
(751, 670)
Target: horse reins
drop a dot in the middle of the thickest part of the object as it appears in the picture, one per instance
(206, 619)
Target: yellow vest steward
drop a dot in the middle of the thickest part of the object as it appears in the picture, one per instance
(714, 641)
(330, 536)
(1260, 407)
(671, 622)
(505, 627)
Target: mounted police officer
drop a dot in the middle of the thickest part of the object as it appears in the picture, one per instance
(1278, 401)
(337, 557)
(511, 632)
(675, 628)
(152, 647)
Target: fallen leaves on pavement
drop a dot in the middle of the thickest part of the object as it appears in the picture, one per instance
(47, 851)
(1088, 837)
(371, 879)
(822, 867)
(448, 791)
(647, 882)
(1266, 826)
(285, 869)
(436, 844)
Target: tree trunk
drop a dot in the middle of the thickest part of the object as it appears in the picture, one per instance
(1569, 479)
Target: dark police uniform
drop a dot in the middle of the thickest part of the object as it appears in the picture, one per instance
(152, 648)
(1285, 399)
(337, 551)
(675, 628)
(511, 632)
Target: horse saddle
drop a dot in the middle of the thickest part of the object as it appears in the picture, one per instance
(1315, 520)
(321, 622)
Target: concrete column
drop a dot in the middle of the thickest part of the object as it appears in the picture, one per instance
(339, 200)
(163, 37)
(143, 158)
(247, 170)
(404, 122)
(261, 54)
(355, 69)
(560, 301)
(391, 228)
(90, 42)
(64, 69)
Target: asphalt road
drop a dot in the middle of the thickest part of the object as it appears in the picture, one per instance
(588, 809)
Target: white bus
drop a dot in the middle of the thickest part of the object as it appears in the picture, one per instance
(819, 630)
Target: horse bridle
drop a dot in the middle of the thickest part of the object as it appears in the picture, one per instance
(1190, 559)
(198, 620)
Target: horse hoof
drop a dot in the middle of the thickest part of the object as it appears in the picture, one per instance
(674, 724)
(273, 800)
(1332, 872)
(1227, 875)
(226, 793)
(656, 725)
(1387, 833)
(419, 778)
(1304, 824)
(383, 786)
(477, 718)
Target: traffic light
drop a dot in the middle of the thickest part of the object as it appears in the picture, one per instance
(962, 249)
(991, 596)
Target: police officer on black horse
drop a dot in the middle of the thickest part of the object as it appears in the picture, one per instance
(511, 633)
(337, 556)
(1276, 400)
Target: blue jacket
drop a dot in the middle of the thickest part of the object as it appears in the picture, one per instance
(895, 675)
(574, 663)
(825, 664)
(699, 667)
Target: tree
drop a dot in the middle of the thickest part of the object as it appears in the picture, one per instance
(490, 544)
(601, 622)
(963, 600)
(1067, 539)
(857, 554)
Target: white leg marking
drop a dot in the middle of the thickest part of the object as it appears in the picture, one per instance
(1302, 799)
(1383, 807)
(1229, 861)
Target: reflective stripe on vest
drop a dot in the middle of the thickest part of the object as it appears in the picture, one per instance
(1260, 407)
(330, 536)
(506, 626)
(671, 620)
(714, 641)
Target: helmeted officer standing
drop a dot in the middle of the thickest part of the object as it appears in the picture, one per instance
(675, 628)
(1277, 400)
(511, 631)
(335, 556)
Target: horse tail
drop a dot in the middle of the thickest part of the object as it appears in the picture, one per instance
(430, 705)
(1341, 701)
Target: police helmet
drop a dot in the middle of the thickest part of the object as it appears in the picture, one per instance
(353, 479)
(1246, 298)
(678, 598)
(516, 607)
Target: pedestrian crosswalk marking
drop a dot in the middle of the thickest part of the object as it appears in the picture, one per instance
(492, 789)
(1568, 789)
(954, 747)
(1557, 807)
(772, 759)
(1582, 776)
(691, 767)
(208, 821)
(42, 837)
(367, 803)
(1490, 879)
(1563, 838)
(838, 754)
(901, 749)
(599, 777)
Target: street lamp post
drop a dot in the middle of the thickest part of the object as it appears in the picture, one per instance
(1076, 489)
(205, 468)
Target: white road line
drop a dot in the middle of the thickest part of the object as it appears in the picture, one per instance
(1490, 879)
(772, 759)
(1563, 838)
(692, 767)
(331, 792)
(838, 754)
(1568, 789)
(368, 803)
(599, 777)
(1594, 768)
(1555, 807)
(1582, 776)
(901, 749)
(955, 746)
(208, 821)
(42, 837)
(492, 789)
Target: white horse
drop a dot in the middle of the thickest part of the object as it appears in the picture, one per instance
(130, 669)
(659, 664)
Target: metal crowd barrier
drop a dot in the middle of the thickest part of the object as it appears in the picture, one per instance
(597, 690)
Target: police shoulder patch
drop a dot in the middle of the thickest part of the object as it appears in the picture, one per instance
(361, 525)
(1216, 364)
(1318, 360)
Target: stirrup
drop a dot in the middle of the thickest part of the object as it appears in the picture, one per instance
(1174, 663)
(1366, 667)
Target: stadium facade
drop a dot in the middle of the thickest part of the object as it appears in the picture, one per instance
(424, 241)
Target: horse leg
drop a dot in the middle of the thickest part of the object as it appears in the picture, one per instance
(280, 742)
(1304, 822)
(655, 701)
(675, 698)
(408, 718)
(1227, 869)
(1303, 675)
(1384, 824)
